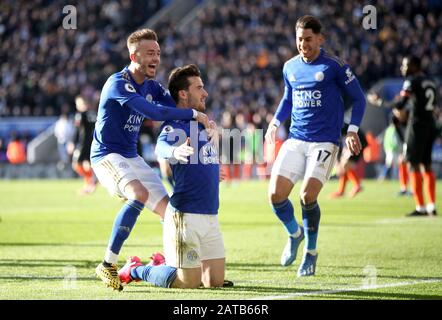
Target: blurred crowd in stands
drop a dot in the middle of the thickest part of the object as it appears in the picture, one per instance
(240, 46)
(43, 66)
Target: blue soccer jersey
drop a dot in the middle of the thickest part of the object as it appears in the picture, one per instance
(123, 106)
(314, 95)
(196, 182)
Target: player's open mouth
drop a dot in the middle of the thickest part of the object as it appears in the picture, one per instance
(152, 67)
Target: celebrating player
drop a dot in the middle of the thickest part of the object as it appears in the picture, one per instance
(192, 239)
(127, 98)
(314, 84)
(420, 133)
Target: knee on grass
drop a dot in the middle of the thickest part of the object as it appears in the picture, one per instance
(187, 279)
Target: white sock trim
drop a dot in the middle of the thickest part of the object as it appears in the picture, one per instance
(110, 257)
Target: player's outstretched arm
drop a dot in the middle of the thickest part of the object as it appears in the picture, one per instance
(124, 92)
(158, 112)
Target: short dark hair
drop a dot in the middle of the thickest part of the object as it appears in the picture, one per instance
(179, 79)
(309, 22)
(414, 61)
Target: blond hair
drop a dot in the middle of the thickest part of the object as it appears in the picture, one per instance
(138, 35)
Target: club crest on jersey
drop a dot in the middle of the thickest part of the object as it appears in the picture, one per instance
(319, 76)
(129, 87)
(149, 97)
(350, 76)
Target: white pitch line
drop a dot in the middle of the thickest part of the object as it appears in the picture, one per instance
(314, 293)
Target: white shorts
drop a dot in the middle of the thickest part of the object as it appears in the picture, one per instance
(115, 171)
(302, 160)
(189, 238)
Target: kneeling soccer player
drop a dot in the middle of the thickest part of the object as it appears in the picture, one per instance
(193, 243)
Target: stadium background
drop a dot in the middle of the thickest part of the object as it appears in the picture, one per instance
(51, 238)
(240, 47)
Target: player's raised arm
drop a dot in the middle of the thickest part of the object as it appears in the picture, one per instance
(161, 113)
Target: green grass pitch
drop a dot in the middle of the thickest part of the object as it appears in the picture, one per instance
(51, 239)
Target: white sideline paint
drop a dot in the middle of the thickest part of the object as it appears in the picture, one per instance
(361, 288)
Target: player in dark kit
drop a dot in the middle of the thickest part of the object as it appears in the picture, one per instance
(418, 96)
(85, 119)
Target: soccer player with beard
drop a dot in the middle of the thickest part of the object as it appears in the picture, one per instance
(193, 243)
(127, 98)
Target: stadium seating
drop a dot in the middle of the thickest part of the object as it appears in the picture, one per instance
(239, 45)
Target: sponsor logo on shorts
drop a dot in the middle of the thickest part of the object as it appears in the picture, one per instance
(123, 165)
(192, 255)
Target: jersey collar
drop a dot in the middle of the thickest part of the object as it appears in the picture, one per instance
(126, 69)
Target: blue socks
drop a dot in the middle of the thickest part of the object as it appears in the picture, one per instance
(311, 214)
(284, 212)
(123, 224)
(160, 276)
